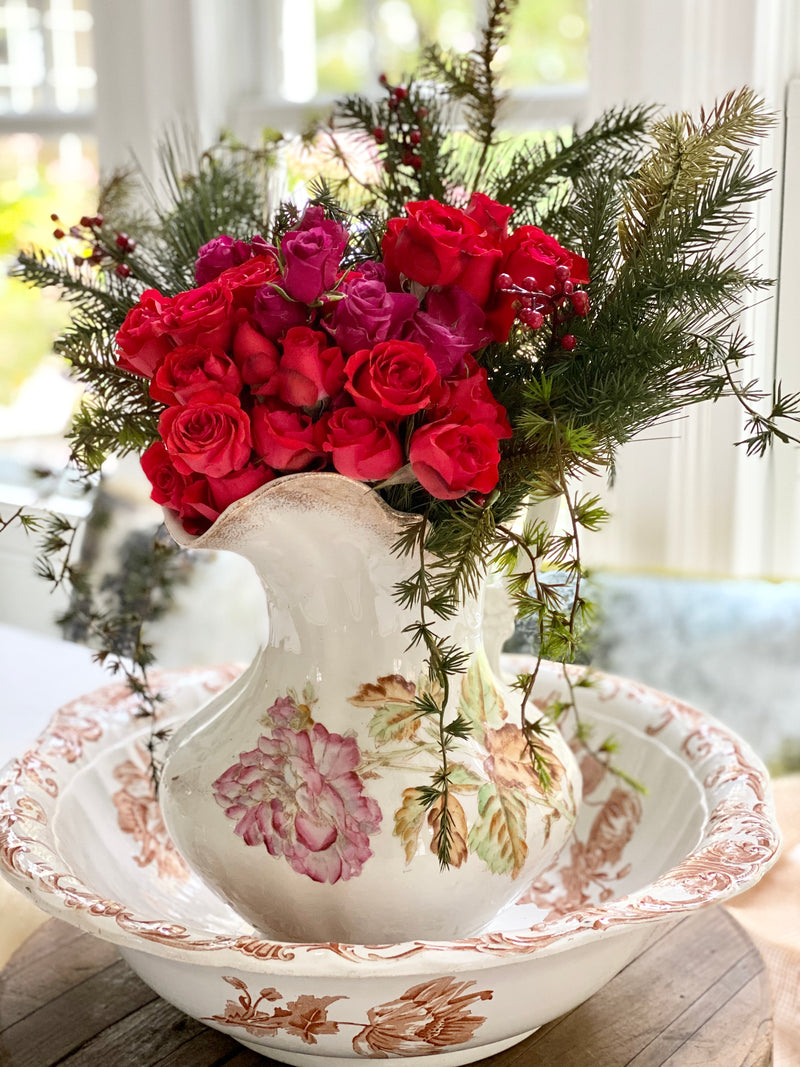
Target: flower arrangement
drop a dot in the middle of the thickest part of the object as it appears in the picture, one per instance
(283, 360)
(466, 324)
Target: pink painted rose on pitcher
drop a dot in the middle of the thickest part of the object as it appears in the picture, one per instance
(299, 795)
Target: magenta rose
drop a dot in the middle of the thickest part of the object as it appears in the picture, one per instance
(223, 252)
(369, 313)
(200, 317)
(441, 245)
(210, 434)
(167, 484)
(299, 795)
(217, 255)
(256, 357)
(310, 369)
(274, 314)
(142, 341)
(451, 459)
(287, 440)
(311, 254)
(392, 380)
(361, 446)
(452, 325)
(188, 369)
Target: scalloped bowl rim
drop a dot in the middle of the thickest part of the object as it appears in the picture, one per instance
(727, 763)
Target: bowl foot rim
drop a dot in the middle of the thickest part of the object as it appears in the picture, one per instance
(452, 1058)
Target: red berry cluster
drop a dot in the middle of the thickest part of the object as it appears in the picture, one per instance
(88, 231)
(559, 300)
(405, 130)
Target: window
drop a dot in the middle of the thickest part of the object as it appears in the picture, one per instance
(47, 163)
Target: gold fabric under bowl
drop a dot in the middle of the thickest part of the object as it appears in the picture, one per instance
(81, 834)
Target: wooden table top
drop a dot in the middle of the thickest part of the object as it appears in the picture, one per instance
(696, 997)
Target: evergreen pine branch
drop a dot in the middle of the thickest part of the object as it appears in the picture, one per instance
(686, 155)
(534, 172)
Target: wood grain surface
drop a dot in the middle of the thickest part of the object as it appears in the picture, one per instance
(696, 997)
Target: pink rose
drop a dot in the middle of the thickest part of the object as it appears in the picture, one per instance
(287, 440)
(312, 253)
(451, 459)
(310, 370)
(210, 434)
(142, 341)
(361, 446)
(392, 380)
(200, 316)
(188, 369)
(256, 357)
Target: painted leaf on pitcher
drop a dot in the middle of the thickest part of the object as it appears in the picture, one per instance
(458, 851)
(481, 704)
(390, 689)
(394, 722)
(463, 780)
(498, 833)
(408, 822)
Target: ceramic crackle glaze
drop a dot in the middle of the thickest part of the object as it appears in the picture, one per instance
(704, 831)
(295, 794)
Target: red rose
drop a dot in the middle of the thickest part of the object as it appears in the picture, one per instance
(362, 447)
(196, 509)
(200, 316)
(203, 500)
(167, 484)
(287, 440)
(468, 396)
(188, 369)
(441, 245)
(531, 253)
(141, 340)
(310, 369)
(256, 356)
(244, 281)
(208, 435)
(238, 484)
(451, 459)
(392, 380)
(490, 215)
